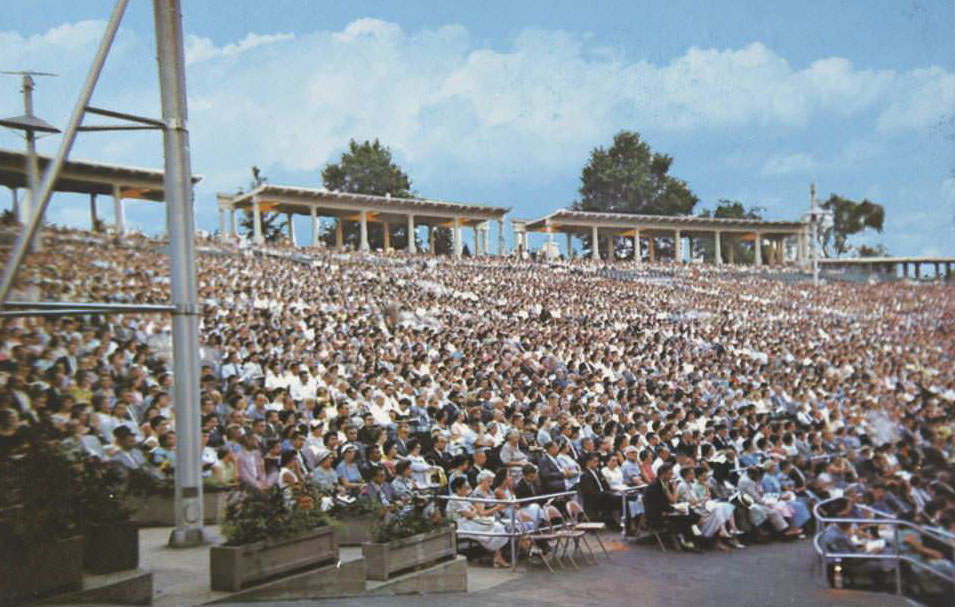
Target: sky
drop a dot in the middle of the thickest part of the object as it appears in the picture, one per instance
(502, 102)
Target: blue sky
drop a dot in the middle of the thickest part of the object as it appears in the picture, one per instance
(501, 102)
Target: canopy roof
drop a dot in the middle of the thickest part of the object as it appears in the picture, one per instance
(566, 220)
(85, 177)
(290, 199)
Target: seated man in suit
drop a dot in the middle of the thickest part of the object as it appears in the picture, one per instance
(599, 502)
(658, 500)
(528, 485)
(836, 538)
(552, 475)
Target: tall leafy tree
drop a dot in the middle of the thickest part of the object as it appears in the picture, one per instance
(629, 177)
(273, 226)
(367, 168)
(848, 218)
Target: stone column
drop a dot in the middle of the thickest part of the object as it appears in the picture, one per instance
(339, 233)
(570, 245)
(313, 213)
(636, 245)
(485, 237)
(232, 230)
(918, 271)
(119, 212)
(677, 246)
(93, 218)
(758, 249)
(477, 242)
(16, 205)
(363, 240)
(257, 222)
(717, 248)
(386, 228)
(431, 239)
(501, 247)
(223, 225)
(456, 237)
(651, 250)
(412, 245)
(291, 227)
(731, 256)
(594, 244)
(938, 270)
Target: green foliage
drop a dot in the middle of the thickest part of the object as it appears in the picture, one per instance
(252, 516)
(630, 178)
(733, 209)
(877, 251)
(848, 218)
(367, 168)
(413, 519)
(38, 488)
(100, 489)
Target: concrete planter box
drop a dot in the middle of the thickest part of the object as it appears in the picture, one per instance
(110, 547)
(157, 509)
(354, 531)
(40, 570)
(235, 567)
(384, 560)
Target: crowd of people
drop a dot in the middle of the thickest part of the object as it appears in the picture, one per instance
(682, 400)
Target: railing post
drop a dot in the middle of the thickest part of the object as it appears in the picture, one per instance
(514, 537)
(898, 560)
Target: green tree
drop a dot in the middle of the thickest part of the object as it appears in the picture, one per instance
(879, 250)
(629, 177)
(273, 225)
(367, 168)
(848, 218)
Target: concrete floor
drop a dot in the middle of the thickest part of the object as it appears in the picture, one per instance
(777, 575)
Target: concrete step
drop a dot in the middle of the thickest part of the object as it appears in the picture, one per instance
(132, 587)
(346, 578)
(446, 576)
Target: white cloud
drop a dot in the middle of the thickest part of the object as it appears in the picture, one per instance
(789, 164)
(202, 49)
(450, 108)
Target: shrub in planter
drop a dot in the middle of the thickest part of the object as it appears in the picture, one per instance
(414, 535)
(110, 540)
(269, 534)
(40, 553)
(354, 521)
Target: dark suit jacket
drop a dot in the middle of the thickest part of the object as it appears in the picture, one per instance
(655, 504)
(523, 489)
(551, 476)
(592, 489)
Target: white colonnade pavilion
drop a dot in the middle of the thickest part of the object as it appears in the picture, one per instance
(768, 239)
(364, 209)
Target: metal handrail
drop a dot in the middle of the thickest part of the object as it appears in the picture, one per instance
(881, 518)
(513, 533)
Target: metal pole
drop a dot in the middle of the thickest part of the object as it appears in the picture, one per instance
(898, 561)
(514, 537)
(53, 169)
(33, 166)
(180, 224)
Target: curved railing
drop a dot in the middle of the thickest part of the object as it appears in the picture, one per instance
(897, 556)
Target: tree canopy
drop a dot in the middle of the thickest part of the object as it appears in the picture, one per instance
(367, 168)
(848, 218)
(732, 209)
(629, 177)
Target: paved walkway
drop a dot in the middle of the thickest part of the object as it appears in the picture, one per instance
(776, 575)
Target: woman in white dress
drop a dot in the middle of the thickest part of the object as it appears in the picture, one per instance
(474, 517)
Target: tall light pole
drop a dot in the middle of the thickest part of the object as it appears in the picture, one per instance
(30, 124)
(817, 218)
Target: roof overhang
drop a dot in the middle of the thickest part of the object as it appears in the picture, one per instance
(86, 177)
(566, 220)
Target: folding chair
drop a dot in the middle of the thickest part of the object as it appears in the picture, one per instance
(581, 522)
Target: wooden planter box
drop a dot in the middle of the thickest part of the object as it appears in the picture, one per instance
(111, 547)
(41, 570)
(354, 531)
(384, 560)
(158, 510)
(235, 567)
